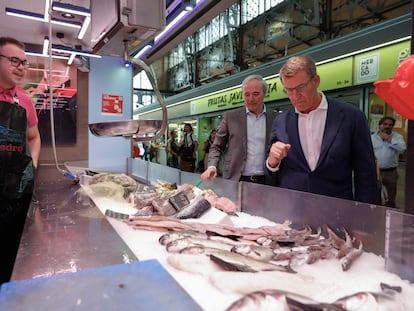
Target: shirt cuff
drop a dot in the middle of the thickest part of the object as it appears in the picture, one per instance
(272, 169)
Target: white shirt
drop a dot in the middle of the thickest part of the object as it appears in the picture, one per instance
(386, 152)
(256, 141)
(311, 127)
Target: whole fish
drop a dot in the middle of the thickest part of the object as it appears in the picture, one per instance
(277, 300)
(175, 235)
(176, 246)
(362, 301)
(195, 209)
(254, 251)
(350, 258)
(235, 262)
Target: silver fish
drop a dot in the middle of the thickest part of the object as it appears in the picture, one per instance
(260, 300)
(175, 235)
(370, 301)
(177, 245)
(195, 209)
(235, 262)
(350, 258)
(254, 251)
(277, 300)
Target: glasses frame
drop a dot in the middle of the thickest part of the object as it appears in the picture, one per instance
(299, 89)
(16, 62)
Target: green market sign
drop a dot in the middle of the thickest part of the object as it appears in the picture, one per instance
(353, 70)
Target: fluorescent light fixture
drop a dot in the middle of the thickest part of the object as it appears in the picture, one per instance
(67, 24)
(47, 5)
(143, 51)
(73, 51)
(37, 54)
(38, 17)
(46, 46)
(71, 9)
(71, 58)
(84, 27)
(174, 22)
(25, 14)
(60, 7)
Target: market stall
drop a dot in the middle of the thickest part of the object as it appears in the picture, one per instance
(385, 235)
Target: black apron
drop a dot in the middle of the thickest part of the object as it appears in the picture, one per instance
(16, 166)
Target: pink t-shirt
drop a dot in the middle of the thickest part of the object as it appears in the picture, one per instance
(24, 100)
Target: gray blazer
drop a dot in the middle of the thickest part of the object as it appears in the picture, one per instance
(346, 166)
(231, 140)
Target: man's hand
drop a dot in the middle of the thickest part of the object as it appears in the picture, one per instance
(211, 172)
(385, 136)
(277, 153)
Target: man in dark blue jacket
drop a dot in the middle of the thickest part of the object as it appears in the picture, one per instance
(321, 145)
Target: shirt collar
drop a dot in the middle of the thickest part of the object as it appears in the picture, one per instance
(8, 94)
(322, 106)
(263, 112)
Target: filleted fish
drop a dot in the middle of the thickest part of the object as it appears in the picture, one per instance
(197, 207)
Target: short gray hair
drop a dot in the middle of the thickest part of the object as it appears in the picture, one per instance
(258, 78)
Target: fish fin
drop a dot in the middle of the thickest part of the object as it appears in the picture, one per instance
(228, 236)
(229, 266)
(385, 286)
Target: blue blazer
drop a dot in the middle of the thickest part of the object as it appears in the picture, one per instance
(346, 166)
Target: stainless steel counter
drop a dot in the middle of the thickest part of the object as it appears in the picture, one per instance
(65, 232)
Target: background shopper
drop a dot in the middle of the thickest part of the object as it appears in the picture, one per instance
(206, 147)
(188, 149)
(172, 150)
(388, 145)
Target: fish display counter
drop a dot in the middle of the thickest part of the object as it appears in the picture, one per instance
(380, 271)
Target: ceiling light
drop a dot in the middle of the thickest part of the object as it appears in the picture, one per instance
(46, 46)
(70, 9)
(84, 27)
(67, 15)
(143, 51)
(25, 14)
(61, 49)
(174, 22)
(71, 58)
(37, 54)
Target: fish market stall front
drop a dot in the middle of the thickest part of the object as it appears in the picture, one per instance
(287, 245)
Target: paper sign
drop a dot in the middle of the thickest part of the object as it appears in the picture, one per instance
(111, 104)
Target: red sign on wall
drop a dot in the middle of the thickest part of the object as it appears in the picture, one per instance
(111, 104)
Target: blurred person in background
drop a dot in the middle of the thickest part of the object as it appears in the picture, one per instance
(388, 145)
(188, 150)
(172, 150)
(19, 151)
(206, 147)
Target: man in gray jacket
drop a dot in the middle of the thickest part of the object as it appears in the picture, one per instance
(242, 136)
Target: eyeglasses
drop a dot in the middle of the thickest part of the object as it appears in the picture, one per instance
(16, 62)
(298, 89)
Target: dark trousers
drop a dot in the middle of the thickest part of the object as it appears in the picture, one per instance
(13, 214)
(389, 180)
